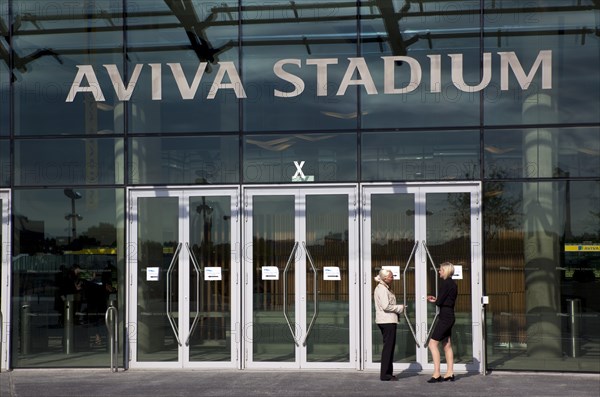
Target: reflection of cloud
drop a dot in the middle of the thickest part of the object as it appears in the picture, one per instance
(345, 116)
(275, 145)
(104, 106)
(497, 150)
(313, 138)
(281, 144)
(591, 152)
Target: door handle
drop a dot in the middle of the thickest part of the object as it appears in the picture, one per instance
(437, 309)
(285, 292)
(171, 319)
(198, 271)
(315, 293)
(412, 253)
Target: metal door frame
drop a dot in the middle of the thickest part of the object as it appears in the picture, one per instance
(6, 277)
(300, 192)
(183, 194)
(421, 364)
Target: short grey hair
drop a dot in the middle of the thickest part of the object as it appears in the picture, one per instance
(383, 273)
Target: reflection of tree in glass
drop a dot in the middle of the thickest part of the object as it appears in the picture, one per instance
(597, 215)
(500, 208)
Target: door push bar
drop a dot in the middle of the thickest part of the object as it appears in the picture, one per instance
(171, 319)
(315, 293)
(198, 271)
(437, 309)
(404, 278)
(285, 292)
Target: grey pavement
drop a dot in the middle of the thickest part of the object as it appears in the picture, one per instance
(169, 383)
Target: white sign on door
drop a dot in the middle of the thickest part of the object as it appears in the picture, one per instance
(212, 274)
(270, 273)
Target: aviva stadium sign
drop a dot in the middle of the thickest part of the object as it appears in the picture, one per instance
(357, 74)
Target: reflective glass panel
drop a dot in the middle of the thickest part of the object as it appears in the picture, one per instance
(296, 65)
(210, 300)
(65, 271)
(449, 240)
(69, 161)
(424, 58)
(327, 301)
(273, 238)
(5, 169)
(158, 297)
(300, 158)
(5, 76)
(420, 155)
(542, 153)
(184, 57)
(546, 62)
(60, 83)
(542, 266)
(184, 160)
(392, 241)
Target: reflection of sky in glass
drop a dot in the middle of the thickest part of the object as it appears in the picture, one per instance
(583, 199)
(51, 38)
(50, 206)
(577, 153)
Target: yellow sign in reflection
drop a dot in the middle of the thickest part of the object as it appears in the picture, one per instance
(582, 247)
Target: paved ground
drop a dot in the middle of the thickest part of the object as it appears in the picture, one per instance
(144, 383)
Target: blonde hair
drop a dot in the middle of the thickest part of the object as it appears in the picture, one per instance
(447, 269)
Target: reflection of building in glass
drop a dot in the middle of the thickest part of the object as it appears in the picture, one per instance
(166, 114)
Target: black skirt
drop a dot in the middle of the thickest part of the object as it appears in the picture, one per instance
(443, 328)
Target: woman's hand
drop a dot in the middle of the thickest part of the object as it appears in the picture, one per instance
(431, 298)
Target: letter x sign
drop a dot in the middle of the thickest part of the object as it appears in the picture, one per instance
(299, 173)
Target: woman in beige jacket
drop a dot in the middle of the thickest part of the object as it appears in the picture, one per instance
(387, 314)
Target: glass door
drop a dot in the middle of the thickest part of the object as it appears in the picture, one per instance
(4, 277)
(301, 277)
(183, 269)
(412, 229)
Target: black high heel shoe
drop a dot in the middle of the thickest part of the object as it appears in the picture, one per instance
(449, 378)
(435, 380)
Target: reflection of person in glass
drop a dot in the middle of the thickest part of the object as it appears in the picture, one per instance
(445, 300)
(386, 316)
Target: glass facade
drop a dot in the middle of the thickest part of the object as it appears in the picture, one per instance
(101, 97)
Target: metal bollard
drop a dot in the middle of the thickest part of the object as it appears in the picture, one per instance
(69, 321)
(574, 308)
(111, 318)
(25, 330)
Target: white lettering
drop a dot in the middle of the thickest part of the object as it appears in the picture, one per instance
(435, 73)
(365, 78)
(156, 81)
(86, 71)
(296, 81)
(357, 73)
(123, 93)
(510, 59)
(389, 76)
(299, 172)
(457, 73)
(322, 73)
(187, 91)
(234, 78)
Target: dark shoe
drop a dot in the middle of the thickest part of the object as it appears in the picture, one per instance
(449, 378)
(435, 380)
(392, 377)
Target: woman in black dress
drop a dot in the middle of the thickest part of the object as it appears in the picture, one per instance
(443, 330)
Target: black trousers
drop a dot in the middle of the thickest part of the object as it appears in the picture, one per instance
(388, 331)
